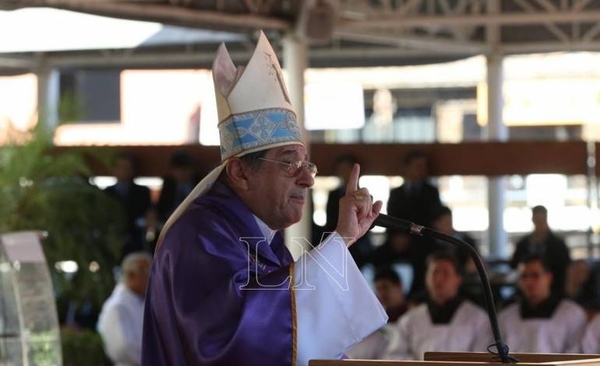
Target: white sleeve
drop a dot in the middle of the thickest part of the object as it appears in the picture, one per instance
(370, 348)
(589, 342)
(335, 307)
(115, 330)
(400, 346)
(484, 336)
(576, 321)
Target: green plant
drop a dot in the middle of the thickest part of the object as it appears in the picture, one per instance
(43, 188)
(82, 348)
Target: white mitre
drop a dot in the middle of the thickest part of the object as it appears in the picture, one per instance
(253, 103)
(254, 112)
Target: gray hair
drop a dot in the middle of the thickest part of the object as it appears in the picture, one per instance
(131, 262)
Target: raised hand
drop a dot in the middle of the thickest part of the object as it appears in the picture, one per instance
(357, 210)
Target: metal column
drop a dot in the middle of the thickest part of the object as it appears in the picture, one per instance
(295, 61)
(48, 96)
(496, 131)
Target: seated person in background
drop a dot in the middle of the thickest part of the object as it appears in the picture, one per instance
(400, 247)
(590, 342)
(580, 284)
(540, 321)
(542, 241)
(471, 285)
(446, 322)
(389, 291)
(121, 318)
(442, 222)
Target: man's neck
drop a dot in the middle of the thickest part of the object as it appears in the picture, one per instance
(540, 235)
(267, 232)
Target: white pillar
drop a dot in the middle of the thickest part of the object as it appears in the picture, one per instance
(295, 62)
(48, 96)
(594, 231)
(496, 131)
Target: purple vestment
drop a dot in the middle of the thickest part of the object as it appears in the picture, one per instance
(218, 292)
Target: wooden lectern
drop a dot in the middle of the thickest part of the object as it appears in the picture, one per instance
(467, 358)
(474, 359)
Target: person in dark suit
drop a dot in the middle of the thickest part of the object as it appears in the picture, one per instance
(543, 242)
(177, 183)
(134, 198)
(416, 200)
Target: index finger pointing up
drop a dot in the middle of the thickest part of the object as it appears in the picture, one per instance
(352, 185)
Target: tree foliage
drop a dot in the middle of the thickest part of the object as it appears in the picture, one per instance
(47, 190)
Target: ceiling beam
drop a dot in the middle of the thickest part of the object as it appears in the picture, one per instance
(10, 62)
(171, 59)
(197, 59)
(394, 22)
(437, 44)
(189, 17)
(543, 47)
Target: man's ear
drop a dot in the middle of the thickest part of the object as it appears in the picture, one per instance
(236, 174)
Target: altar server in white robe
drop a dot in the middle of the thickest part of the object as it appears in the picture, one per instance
(591, 338)
(540, 321)
(390, 292)
(446, 322)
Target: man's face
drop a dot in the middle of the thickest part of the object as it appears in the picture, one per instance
(416, 170)
(534, 282)
(123, 170)
(540, 220)
(388, 293)
(442, 280)
(274, 196)
(138, 280)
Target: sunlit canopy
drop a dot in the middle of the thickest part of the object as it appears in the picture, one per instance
(46, 30)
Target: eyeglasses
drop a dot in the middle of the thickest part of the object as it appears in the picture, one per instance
(294, 167)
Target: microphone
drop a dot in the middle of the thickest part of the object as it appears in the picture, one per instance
(391, 222)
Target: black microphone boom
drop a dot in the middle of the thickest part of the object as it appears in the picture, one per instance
(391, 222)
(412, 228)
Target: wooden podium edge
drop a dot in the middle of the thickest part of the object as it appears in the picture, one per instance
(473, 358)
(538, 358)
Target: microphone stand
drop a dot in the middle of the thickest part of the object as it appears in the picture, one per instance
(392, 222)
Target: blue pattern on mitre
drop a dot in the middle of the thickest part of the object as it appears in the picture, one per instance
(251, 131)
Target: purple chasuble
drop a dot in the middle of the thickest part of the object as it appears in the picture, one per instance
(219, 294)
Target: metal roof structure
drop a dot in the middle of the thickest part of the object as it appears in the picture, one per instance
(340, 32)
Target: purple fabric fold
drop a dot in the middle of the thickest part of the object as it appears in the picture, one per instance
(219, 294)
